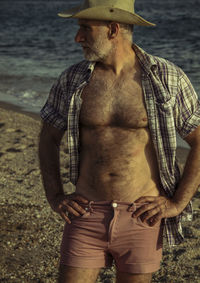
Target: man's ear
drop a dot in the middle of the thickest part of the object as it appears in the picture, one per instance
(113, 30)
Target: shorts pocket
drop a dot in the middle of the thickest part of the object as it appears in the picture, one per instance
(83, 216)
(89, 216)
(139, 222)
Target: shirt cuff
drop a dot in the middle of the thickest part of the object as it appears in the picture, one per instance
(190, 124)
(51, 116)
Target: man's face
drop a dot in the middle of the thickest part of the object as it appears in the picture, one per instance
(93, 37)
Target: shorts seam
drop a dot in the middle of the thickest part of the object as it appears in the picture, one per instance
(139, 268)
(82, 262)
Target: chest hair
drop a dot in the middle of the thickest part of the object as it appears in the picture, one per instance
(113, 102)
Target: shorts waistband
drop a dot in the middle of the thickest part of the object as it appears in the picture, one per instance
(111, 204)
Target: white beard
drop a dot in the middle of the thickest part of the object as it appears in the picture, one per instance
(99, 50)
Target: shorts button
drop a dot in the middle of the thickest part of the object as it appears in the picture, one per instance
(114, 204)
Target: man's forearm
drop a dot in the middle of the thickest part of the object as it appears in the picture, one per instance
(190, 180)
(50, 169)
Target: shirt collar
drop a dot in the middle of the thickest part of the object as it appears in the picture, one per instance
(91, 65)
(146, 61)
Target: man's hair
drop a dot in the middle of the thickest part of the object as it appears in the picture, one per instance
(127, 30)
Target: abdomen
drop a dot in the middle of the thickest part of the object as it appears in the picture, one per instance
(117, 163)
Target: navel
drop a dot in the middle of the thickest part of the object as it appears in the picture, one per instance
(113, 175)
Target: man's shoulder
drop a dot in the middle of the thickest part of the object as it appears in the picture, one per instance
(163, 62)
(163, 66)
(166, 67)
(75, 71)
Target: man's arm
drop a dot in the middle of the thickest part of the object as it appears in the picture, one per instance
(162, 207)
(190, 180)
(49, 149)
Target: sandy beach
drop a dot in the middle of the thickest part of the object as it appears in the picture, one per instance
(31, 232)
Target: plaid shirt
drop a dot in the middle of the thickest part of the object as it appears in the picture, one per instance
(171, 103)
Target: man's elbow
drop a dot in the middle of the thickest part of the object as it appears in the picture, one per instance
(193, 139)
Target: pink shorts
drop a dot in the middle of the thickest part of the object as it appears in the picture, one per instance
(108, 231)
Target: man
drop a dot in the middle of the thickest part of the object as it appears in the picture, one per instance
(121, 108)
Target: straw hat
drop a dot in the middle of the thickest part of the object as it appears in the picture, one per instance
(121, 11)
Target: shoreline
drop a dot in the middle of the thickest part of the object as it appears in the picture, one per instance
(16, 108)
(182, 151)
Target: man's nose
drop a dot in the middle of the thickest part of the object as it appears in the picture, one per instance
(79, 37)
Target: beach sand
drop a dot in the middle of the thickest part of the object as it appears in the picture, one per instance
(30, 232)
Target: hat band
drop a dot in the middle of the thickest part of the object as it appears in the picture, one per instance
(119, 4)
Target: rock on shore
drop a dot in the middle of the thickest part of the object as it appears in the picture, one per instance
(30, 233)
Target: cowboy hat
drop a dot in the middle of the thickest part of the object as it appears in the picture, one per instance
(107, 10)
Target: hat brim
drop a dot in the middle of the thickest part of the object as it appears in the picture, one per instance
(104, 13)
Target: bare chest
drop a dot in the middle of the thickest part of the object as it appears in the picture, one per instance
(118, 103)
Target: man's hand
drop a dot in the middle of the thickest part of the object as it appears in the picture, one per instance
(156, 208)
(65, 204)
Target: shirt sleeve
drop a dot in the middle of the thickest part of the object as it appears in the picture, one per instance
(187, 107)
(54, 111)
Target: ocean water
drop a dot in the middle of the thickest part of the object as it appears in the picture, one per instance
(36, 45)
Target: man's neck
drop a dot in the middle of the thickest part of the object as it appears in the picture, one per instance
(122, 58)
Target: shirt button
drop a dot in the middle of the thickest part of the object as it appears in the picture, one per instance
(114, 204)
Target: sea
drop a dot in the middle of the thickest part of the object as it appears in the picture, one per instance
(36, 45)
